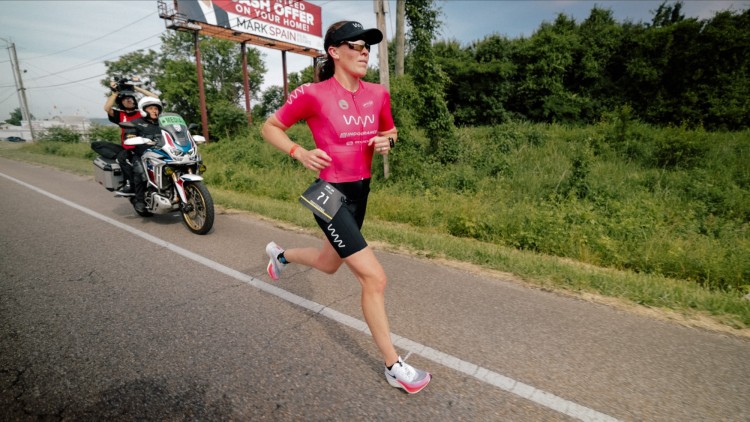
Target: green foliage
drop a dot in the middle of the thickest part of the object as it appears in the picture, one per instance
(179, 86)
(431, 81)
(16, 116)
(146, 64)
(60, 135)
(479, 86)
(675, 71)
(270, 101)
(680, 149)
(225, 120)
(108, 133)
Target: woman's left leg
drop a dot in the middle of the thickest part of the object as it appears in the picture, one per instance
(372, 278)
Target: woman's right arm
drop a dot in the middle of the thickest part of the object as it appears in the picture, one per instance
(274, 132)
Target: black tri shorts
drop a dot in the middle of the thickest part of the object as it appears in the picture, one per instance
(344, 231)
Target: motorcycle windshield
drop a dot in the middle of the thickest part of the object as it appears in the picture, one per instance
(175, 125)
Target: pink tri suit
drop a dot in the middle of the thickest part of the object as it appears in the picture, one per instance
(341, 123)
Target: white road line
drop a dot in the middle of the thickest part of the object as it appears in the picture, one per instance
(500, 381)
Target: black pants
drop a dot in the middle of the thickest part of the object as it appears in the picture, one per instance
(344, 231)
(139, 173)
(123, 159)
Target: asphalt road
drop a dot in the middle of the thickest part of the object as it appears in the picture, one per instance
(108, 316)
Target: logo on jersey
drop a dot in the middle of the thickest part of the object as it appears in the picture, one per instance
(343, 105)
(359, 120)
(297, 92)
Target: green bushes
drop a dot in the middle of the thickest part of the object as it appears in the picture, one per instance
(60, 135)
(109, 133)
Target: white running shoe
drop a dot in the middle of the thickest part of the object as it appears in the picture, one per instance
(402, 375)
(274, 265)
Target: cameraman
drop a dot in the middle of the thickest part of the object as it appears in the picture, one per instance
(124, 95)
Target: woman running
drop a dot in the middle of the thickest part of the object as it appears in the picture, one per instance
(350, 120)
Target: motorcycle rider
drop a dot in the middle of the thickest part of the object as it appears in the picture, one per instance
(124, 96)
(146, 126)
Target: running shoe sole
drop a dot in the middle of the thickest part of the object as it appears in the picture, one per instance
(273, 270)
(409, 388)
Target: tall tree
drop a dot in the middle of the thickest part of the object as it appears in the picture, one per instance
(428, 76)
(480, 79)
(545, 64)
(592, 75)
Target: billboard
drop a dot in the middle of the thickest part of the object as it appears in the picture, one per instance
(293, 22)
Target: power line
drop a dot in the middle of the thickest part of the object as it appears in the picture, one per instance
(68, 83)
(96, 59)
(93, 40)
(6, 98)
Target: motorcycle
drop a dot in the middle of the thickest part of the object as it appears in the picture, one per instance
(172, 168)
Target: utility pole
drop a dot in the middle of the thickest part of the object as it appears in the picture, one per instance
(19, 87)
(246, 85)
(381, 8)
(15, 78)
(400, 36)
(201, 89)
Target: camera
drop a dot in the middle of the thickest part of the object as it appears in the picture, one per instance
(126, 83)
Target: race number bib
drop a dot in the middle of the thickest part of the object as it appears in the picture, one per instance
(323, 199)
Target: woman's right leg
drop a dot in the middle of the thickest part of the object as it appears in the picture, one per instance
(324, 259)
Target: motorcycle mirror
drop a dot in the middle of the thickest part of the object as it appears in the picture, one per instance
(192, 126)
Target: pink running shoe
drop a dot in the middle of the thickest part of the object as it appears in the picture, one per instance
(402, 375)
(274, 265)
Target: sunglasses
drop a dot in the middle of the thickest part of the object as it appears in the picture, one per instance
(356, 47)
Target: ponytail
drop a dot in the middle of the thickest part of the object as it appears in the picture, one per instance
(325, 69)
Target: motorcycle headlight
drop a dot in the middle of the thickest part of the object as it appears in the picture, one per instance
(176, 152)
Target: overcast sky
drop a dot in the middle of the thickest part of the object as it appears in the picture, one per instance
(62, 45)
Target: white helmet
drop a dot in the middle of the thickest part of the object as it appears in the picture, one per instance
(147, 101)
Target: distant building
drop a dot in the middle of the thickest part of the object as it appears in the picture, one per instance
(79, 124)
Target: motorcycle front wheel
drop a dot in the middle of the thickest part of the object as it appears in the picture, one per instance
(198, 214)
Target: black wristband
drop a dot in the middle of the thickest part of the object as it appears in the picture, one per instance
(391, 142)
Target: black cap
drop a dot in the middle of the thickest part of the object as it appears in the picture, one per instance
(353, 31)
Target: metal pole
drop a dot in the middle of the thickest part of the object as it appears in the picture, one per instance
(286, 81)
(201, 90)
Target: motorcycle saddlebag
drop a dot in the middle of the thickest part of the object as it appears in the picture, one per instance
(106, 149)
(107, 173)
